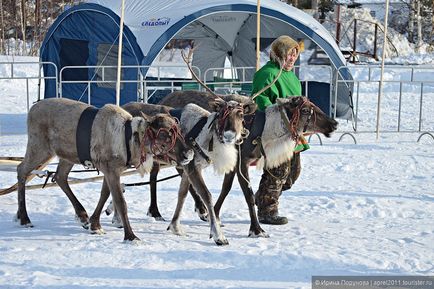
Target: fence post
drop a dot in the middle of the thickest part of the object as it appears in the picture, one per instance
(354, 40)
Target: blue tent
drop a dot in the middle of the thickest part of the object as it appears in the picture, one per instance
(87, 35)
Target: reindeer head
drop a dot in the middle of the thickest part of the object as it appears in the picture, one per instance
(229, 121)
(302, 117)
(166, 141)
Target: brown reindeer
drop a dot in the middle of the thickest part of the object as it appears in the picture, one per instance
(116, 141)
(271, 140)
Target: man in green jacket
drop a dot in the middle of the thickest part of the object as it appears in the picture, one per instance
(284, 52)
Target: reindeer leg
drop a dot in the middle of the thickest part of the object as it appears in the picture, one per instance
(175, 226)
(196, 179)
(95, 225)
(35, 156)
(114, 183)
(199, 206)
(226, 187)
(255, 229)
(153, 207)
(61, 177)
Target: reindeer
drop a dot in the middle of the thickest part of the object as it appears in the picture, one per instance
(116, 141)
(271, 140)
(213, 137)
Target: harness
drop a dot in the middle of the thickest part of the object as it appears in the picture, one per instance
(83, 136)
(128, 135)
(256, 124)
(191, 136)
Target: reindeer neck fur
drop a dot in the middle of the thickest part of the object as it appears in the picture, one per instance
(138, 125)
(223, 156)
(276, 139)
(111, 121)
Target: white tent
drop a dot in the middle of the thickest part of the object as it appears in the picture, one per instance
(222, 28)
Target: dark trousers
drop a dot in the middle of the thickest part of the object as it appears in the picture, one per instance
(273, 182)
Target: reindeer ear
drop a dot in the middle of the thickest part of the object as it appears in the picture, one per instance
(146, 122)
(296, 100)
(249, 108)
(281, 101)
(217, 104)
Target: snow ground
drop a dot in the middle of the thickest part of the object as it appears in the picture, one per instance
(357, 209)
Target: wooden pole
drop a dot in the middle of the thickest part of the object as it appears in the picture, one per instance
(380, 88)
(258, 34)
(121, 31)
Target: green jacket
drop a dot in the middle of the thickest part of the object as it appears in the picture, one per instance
(287, 85)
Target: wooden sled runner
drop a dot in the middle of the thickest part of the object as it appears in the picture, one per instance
(10, 164)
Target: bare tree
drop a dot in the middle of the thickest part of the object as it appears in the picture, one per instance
(314, 4)
(431, 37)
(411, 20)
(2, 28)
(23, 25)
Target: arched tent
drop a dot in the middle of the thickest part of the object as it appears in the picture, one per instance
(224, 29)
(87, 35)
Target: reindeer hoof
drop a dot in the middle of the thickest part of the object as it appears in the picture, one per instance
(135, 242)
(28, 225)
(117, 222)
(24, 222)
(156, 215)
(221, 242)
(258, 234)
(176, 229)
(109, 209)
(202, 215)
(83, 221)
(99, 231)
(132, 238)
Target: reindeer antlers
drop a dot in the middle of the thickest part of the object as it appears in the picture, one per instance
(187, 60)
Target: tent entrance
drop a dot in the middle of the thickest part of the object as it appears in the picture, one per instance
(74, 53)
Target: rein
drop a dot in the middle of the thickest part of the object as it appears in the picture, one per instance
(157, 146)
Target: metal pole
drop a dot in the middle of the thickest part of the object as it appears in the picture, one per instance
(258, 33)
(121, 32)
(382, 68)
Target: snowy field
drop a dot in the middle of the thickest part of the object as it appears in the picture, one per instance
(357, 209)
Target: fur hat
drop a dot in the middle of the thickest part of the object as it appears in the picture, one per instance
(281, 47)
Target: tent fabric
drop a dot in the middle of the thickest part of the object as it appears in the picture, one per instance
(156, 22)
(226, 28)
(78, 37)
(220, 29)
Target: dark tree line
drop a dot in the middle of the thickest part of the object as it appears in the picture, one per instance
(27, 22)
(417, 25)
